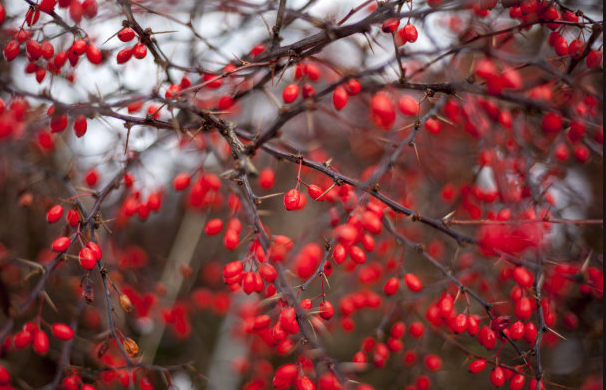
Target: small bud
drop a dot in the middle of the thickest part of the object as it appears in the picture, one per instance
(102, 349)
(88, 294)
(125, 303)
(500, 323)
(130, 346)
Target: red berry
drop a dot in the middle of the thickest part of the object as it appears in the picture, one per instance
(224, 103)
(530, 332)
(413, 282)
(382, 111)
(32, 16)
(304, 383)
(47, 6)
(11, 50)
(423, 382)
(340, 98)
(231, 239)
(290, 93)
(486, 69)
(181, 181)
(62, 331)
(22, 35)
(87, 259)
(95, 249)
(497, 377)
(79, 47)
(124, 55)
(260, 48)
(353, 87)
(185, 82)
(139, 51)
(23, 339)
(267, 178)
(268, 272)
(172, 91)
(80, 126)
(312, 71)
(390, 25)
(410, 33)
(594, 59)
(91, 178)
(398, 329)
(54, 213)
(551, 123)
(522, 276)
(315, 192)
(76, 11)
(339, 253)
(409, 357)
(47, 50)
(90, 8)
(561, 151)
(308, 91)
(285, 376)
(40, 342)
(292, 199)
(536, 385)
(327, 311)
(5, 378)
(581, 153)
(357, 255)
(561, 46)
(61, 244)
(391, 286)
(93, 54)
(416, 329)
(433, 126)
(71, 382)
(433, 362)
(33, 49)
(477, 366)
(72, 218)
(517, 382)
(60, 59)
(213, 227)
(126, 34)
(487, 337)
(408, 106)
(58, 122)
(576, 48)
(516, 330)
(523, 308)
(500, 323)
(459, 323)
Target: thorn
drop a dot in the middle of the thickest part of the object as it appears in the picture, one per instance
(448, 217)
(326, 192)
(326, 279)
(414, 145)
(406, 127)
(31, 264)
(49, 301)
(369, 43)
(556, 333)
(163, 32)
(111, 37)
(586, 263)
(444, 120)
(270, 195)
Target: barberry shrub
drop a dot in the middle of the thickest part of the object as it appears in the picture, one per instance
(301, 194)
